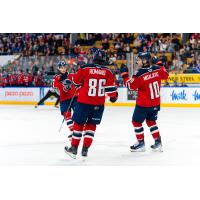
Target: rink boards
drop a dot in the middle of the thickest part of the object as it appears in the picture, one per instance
(170, 96)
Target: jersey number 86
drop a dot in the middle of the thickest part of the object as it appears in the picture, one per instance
(96, 87)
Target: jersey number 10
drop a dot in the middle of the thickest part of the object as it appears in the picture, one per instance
(96, 87)
(154, 90)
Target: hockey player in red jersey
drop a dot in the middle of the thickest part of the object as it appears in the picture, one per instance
(147, 81)
(12, 79)
(39, 79)
(3, 80)
(26, 79)
(95, 80)
(20, 78)
(68, 94)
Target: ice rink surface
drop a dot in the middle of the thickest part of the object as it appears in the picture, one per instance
(30, 136)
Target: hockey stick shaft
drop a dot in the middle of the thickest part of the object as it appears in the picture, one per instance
(70, 103)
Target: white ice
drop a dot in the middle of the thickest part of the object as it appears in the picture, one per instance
(30, 136)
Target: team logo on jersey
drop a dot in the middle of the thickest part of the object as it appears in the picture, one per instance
(67, 85)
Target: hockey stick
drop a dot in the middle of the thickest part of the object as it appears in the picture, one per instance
(70, 103)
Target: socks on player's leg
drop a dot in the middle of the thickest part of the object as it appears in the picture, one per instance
(139, 130)
(77, 134)
(70, 123)
(89, 134)
(156, 135)
(154, 129)
(89, 130)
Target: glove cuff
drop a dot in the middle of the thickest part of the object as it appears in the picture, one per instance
(124, 74)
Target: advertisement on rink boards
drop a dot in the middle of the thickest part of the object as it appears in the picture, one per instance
(169, 95)
(186, 78)
(131, 94)
(15, 94)
(174, 95)
(186, 95)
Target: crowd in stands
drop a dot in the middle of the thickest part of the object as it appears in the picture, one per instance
(31, 44)
(39, 53)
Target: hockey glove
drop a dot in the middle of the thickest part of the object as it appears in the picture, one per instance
(114, 99)
(124, 71)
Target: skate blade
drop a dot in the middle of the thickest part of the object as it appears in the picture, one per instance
(84, 158)
(70, 154)
(159, 149)
(138, 150)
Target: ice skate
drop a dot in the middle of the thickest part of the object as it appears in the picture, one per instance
(71, 151)
(84, 151)
(157, 146)
(138, 147)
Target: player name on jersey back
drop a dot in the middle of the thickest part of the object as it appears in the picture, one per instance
(150, 76)
(98, 71)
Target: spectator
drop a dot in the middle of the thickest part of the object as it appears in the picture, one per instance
(91, 40)
(112, 60)
(163, 46)
(176, 42)
(163, 58)
(178, 63)
(105, 44)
